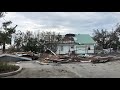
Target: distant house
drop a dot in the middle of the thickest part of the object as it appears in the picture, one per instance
(76, 43)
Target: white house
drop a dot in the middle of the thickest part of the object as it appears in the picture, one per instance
(76, 43)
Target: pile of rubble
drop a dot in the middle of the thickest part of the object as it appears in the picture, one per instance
(48, 58)
(99, 59)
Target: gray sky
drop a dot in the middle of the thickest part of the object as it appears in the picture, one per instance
(63, 22)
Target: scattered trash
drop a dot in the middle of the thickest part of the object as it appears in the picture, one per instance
(18, 62)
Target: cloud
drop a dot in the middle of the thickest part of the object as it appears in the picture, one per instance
(64, 22)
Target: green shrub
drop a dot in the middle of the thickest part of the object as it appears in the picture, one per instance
(5, 67)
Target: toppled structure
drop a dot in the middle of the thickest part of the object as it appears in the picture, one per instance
(8, 57)
(26, 54)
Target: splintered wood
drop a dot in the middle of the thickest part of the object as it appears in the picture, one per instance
(76, 58)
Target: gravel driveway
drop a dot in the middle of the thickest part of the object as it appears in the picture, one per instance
(76, 70)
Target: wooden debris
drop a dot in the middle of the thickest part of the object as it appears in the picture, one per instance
(100, 59)
(77, 58)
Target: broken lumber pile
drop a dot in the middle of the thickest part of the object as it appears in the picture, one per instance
(63, 58)
(99, 59)
(48, 58)
(57, 58)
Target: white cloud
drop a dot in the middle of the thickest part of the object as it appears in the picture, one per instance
(63, 22)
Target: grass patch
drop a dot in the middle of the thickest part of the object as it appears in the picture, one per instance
(6, 67)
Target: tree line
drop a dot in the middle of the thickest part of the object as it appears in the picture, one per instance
(40, 41)
(37, 41)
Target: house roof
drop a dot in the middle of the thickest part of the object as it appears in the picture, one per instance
(84, 39)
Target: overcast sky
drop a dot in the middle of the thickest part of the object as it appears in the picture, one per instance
(63, 22)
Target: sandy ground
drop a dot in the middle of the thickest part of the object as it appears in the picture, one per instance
(75, 70)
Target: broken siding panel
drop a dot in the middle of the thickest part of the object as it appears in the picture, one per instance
(82, 49)
(64, 51)
(66, 48)
(60, 49)
(90, 51)
(91, 47)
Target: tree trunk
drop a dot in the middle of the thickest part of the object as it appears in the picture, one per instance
(4, 47)
(110, 47)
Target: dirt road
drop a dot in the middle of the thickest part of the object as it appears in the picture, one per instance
(76, 70)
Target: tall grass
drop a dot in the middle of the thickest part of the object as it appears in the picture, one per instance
(5, 67)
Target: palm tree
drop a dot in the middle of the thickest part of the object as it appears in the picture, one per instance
(6, 34)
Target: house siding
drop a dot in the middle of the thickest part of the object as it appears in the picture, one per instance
(79, 49)
(82, 49)
(65, 50)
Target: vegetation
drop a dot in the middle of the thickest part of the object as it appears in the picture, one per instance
(5, 67)
(6, 34)
(107, 39)
(36, 42)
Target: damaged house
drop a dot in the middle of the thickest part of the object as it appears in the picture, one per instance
(77, 44)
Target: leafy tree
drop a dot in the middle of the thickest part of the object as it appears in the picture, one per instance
(37, 42)
(113, 40)
(116, 37)
(107, 39)
(18, 40)
(101, 36)
(51, 40)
